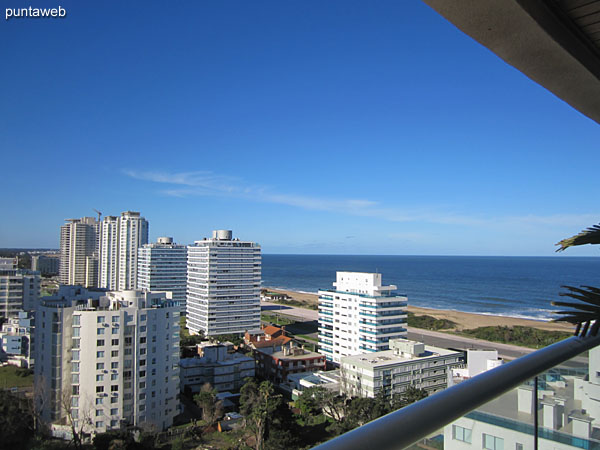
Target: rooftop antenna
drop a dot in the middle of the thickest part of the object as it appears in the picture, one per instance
(99, 213)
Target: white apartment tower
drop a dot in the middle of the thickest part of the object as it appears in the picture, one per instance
(19, 290)
(79, 252)
(163, 267)
(120, 239)
(223, 291)
(359, 315)
(110, 359)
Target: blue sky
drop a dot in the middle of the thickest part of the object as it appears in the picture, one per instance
(308, 126)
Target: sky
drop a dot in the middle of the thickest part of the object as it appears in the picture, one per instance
(339, 127)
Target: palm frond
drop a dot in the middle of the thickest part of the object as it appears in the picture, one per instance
(584, 313)
(590, 235)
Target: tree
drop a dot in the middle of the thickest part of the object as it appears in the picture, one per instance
(212, 407)
(581, 314)
(78, 417)
(409, 396)
(257, 404)
(16, 421)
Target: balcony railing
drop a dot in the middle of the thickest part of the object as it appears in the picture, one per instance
(402, 428)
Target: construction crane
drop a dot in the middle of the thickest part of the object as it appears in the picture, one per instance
(99, 213)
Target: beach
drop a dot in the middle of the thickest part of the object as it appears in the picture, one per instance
(462, 319)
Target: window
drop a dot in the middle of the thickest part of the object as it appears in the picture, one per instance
(99, 389)
(99, 366)
(142, 384)
(75, 401)
(492, 442)
(114, 388)
(142, 340)
(115, 319)
(142, 351)
(142, 362)
(100, 377)
(99, 401)
(100, 319)
(75, 378)
(114, 376)
(114, 423)
(142, 396)
(143, 317)
(115, 331)
(100, 331)
(98, 412)
(115, 342)
(99, 424)
(99, 342)
(75, 355)
(114, 399)
(75, 343)
(75, 390)
(114, 411)
(76, 332)
(142, 373)
(114, 365)
(518, 446)
(100, 354)
(74, 367)
(76, 320)
(143, 329)
(114, 353)
(461, 434)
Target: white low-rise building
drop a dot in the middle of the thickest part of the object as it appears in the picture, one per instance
(408, 363)
(218, 365)
(360, 315)
(16, 340)
(477, 361)
(109, 359)
(19, 290)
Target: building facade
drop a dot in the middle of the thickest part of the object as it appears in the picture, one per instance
(391, 372)
(19, 290)
(120, 239)
(163, 267)
(16, 340)
(275, 365)
(110, 359)
(46, 265)
(79, 252)
(218, 365)
(359, 315)
(223, 289)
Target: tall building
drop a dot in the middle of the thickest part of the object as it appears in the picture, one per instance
(359, 316)
(19, 290)
(163, 267)
(79, 252)
(120, 239)
(110, 359)
(223, 292)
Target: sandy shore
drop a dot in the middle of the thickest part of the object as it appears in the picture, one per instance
(462, 319)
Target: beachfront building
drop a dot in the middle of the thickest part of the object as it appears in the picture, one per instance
(162, 266)
(359, 315)
(79, 252)
(223, 289)
(218, 365)
(391, 372)
(120, 239)
(19, 290)
(110, 359)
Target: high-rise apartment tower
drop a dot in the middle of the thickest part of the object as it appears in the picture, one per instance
(223, 292)
(359, 316)
(120, 239)
(162, 266)
(79, 252)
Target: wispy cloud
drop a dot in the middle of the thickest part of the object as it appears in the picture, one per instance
(206, 183)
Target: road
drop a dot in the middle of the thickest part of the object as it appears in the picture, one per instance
(434, 338)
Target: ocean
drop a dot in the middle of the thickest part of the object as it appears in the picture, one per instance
(501, 286)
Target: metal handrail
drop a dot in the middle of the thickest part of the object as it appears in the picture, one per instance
(404, 427)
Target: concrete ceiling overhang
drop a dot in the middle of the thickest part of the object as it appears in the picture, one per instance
(552, 42)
